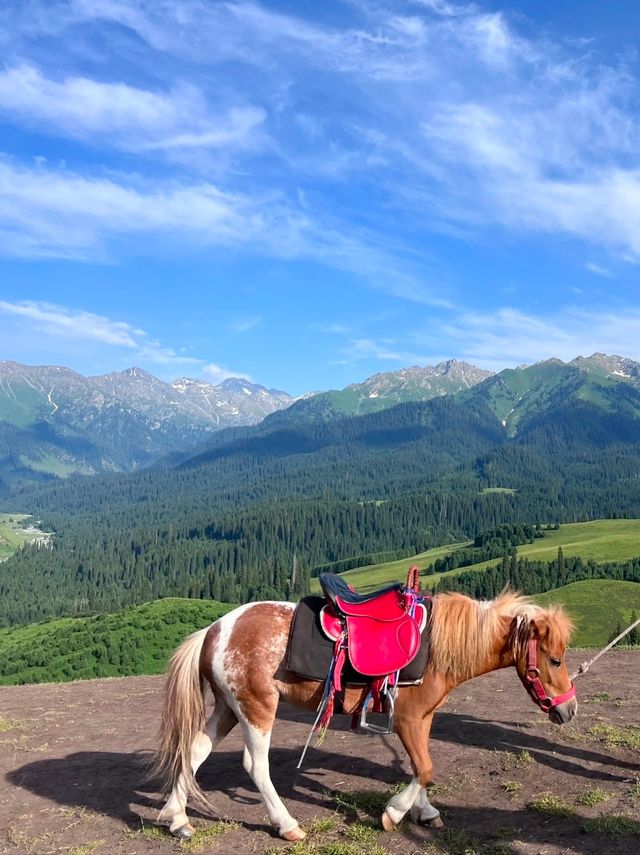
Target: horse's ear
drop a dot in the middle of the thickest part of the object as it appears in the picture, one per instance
(539, 628)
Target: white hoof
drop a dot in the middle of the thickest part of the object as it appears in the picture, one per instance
(387, 823)
(294, 834)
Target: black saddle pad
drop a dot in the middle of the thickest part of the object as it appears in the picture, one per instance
(309, 652)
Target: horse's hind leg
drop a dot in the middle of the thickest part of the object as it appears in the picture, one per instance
(222, 720)
(256, 762)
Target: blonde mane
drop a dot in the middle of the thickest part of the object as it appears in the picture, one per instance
(463, 630)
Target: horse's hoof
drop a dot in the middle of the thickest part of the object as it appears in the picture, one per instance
(436, 822)
(184, 832)
(294, 834)
(387, 823)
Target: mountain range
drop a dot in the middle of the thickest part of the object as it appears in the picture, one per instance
(55, 422)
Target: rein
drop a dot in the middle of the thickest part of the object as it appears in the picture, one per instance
(532, 676)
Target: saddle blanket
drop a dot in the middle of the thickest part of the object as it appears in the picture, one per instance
(309, 652)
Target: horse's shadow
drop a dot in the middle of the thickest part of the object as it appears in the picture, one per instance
(509, 736)
(107, 782)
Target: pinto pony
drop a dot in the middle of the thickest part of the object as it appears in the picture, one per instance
(242, 659)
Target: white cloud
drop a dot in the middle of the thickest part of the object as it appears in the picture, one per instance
(444, 118)
(243, 325)
(217, 373)
(510, 337)
(385, 350)
(51, 320)
(124, 116)
(57, 213)
(46, 320)
(52, 213)
(599, 270)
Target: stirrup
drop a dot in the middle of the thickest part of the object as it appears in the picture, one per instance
(363, 724)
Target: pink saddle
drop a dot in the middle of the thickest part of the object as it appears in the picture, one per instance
(382, 633)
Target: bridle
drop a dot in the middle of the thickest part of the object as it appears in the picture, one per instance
(532, 676)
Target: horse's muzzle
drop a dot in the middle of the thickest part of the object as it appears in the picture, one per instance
(563, 713)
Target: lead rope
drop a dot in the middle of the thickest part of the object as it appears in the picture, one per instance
(586, 665)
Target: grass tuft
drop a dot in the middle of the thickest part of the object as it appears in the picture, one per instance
(322, 825)
(12, 724)
(551, 805)
(371, 802)
(614, 826)
(363, 833)
(205, 835)
(611, 735)
(594, 796)
(85, 848)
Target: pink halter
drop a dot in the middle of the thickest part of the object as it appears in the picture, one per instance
(532, 676)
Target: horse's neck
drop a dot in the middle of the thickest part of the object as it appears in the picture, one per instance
(499, 655)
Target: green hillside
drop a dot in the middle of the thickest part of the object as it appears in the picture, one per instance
(133, 641)
(599, 540)
(596, 606)
(140, 640)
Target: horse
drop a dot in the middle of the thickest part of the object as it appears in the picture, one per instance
(241, 658)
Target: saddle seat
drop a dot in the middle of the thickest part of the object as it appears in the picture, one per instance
(384, 604)
(382, 632)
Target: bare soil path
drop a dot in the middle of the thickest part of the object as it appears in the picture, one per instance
(73, 756)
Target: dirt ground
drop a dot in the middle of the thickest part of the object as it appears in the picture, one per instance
(73, 757)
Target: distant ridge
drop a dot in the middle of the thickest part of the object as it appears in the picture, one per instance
(418, 383)
(54, 421)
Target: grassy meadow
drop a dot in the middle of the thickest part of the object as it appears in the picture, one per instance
(596, 606)
(600, 540)
(13, 536)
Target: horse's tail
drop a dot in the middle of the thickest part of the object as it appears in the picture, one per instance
(183, 717)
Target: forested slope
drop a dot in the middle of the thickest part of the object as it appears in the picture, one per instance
(231, 523)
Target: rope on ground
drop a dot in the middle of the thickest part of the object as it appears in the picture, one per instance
(586, 665)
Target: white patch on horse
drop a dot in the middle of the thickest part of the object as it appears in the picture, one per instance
(225, 672)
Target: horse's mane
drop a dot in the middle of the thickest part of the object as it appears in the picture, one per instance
(463, 630)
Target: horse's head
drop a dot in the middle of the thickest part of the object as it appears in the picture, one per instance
(540, 662)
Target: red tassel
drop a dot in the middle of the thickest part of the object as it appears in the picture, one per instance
(337, 669)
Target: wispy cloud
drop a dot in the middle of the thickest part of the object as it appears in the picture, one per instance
(512, 337)
(59, 213)
(216, 374)
(117, 341)
(47, 320)
(243, 325)
(599, 270)
(408, 121)
(116, 114)
(384, 350)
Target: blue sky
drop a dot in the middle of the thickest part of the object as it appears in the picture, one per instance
(308, 193)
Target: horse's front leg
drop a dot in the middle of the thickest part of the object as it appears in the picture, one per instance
(414, 735)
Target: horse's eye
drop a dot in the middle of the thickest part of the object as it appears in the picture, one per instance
(555, 662)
